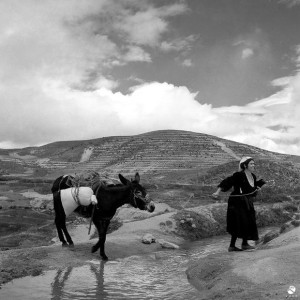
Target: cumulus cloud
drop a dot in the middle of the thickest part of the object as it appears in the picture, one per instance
(179, 44)
(271, 123)
(55, 81)
(74, 39)
(136, 53)
(247, 53)
(187, 63)
(255, 42)
(90, 114)
(145, 27)
(290, 3)
(69, 46)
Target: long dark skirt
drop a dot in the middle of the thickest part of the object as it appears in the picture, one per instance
(241, 220)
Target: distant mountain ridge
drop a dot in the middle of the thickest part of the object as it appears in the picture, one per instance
(157, 151)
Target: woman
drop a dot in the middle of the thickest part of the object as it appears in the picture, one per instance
(241, 221)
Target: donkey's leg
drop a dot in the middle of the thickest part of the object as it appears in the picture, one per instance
(67, 235)
(101, 226)
(60, 220)
(98, 225)
(59, 216)
(59, 231)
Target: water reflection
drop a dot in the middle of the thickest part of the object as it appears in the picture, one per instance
(157, 276)
(85, 282)
(59, 283)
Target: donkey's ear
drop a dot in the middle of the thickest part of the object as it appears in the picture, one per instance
(124, 180)
(137, 177)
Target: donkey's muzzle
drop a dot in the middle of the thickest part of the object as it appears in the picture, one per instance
(151, 206)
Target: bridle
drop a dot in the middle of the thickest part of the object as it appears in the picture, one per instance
(137, 195)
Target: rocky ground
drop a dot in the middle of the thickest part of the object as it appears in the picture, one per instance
(125, 241)
(265, 273)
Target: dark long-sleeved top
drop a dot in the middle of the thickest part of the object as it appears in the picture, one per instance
(240, 184)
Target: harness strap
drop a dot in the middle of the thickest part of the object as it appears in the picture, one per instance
(134, 196)
(97, 193)
(75, 192)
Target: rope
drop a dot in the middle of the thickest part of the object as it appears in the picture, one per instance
(187, 201)
(93, 211)
(88, 178)
(242, 195)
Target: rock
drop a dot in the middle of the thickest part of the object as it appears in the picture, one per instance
(148, 238)
(41, 203)
(169, 223)
(286, 227)
(295, 223)
(168, 245)
(128, 213)
(270, 236)
(297, 216)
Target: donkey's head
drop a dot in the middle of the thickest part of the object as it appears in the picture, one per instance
(138, 197)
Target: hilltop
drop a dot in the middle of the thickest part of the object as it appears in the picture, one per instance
(174, 152)
(176, 166)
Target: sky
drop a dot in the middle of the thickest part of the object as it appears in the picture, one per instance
(79, 70)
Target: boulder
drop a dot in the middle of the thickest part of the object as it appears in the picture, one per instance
(286, 227)
(41, 204)
(129, 213)
(148, 238)
(270, 236)
(167, 245)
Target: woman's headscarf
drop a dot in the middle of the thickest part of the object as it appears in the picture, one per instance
(243, 160)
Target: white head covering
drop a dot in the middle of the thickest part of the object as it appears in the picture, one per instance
(244, 158)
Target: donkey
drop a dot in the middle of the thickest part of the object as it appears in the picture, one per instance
(109, 199)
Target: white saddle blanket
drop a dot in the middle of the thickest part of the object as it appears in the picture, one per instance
(69, 198)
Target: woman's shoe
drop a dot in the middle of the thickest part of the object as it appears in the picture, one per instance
(247, 247)
(231, 249)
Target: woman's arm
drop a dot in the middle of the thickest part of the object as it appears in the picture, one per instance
(224, 186)
(216, 194)
(258, 183)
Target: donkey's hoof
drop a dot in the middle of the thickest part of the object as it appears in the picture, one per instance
(64, 245)
(103, 257)
(94, 249)
(71, 245)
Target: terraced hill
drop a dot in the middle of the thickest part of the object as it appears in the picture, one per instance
(157, 152)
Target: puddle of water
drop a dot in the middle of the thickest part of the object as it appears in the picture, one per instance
(157, 276)
(136, 277)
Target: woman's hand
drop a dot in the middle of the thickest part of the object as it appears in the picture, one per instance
(215, 196)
